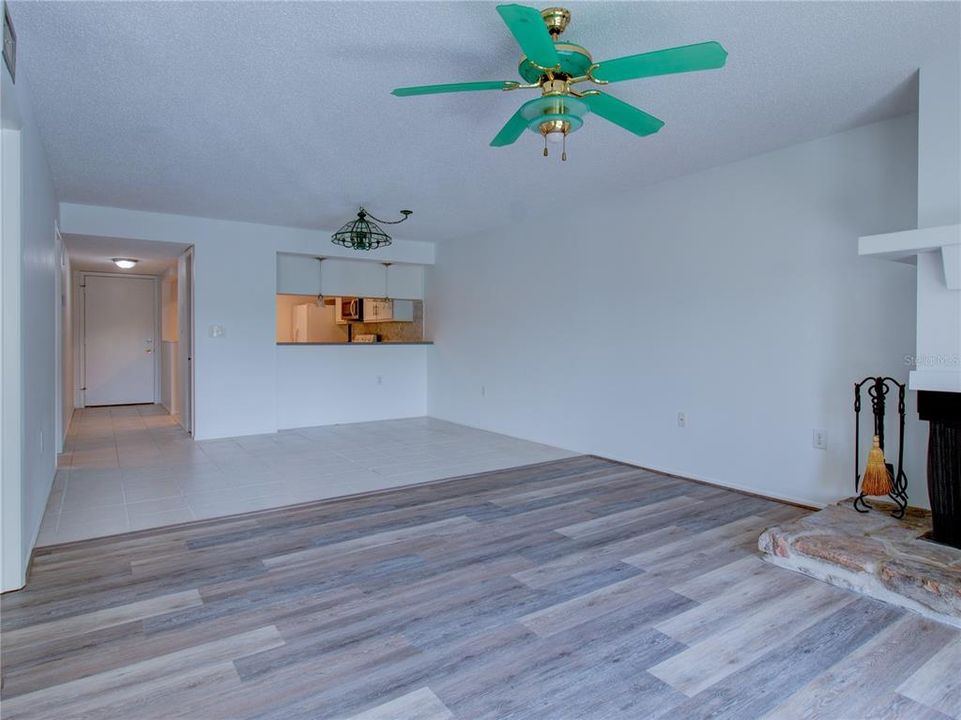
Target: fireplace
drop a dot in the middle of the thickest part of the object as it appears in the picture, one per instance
(942, 410)
(875, 553)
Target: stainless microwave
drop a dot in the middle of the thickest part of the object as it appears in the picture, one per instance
(350, 309)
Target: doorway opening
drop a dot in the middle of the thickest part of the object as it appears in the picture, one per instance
(132, 328)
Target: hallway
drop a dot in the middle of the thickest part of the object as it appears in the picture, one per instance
(133, 467)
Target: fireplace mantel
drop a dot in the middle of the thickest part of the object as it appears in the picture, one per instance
(907, 245)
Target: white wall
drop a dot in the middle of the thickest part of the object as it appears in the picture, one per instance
(323, 385)
(234, 286)
(169, 346)
(38, 294)
(939, 203)
(183, 364)
(11, 490)
(168, 376)
(939, 142)
(65, 299)
(36, 376)
(734, 295)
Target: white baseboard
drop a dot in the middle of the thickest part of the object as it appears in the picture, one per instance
(793, 500)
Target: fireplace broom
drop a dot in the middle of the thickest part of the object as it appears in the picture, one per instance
(877, 479)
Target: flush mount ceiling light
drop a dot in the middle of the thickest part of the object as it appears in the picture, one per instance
(362, 234)
(125, 263)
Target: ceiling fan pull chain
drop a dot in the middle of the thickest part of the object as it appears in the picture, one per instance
(545, 145)
(564, 147)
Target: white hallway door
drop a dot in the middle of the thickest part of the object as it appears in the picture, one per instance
(119, 320)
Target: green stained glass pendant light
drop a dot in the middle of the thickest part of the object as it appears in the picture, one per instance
(362, 233)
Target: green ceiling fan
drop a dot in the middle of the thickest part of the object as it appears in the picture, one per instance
(554, 67)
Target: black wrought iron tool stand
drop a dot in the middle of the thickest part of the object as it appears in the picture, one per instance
(878, 388)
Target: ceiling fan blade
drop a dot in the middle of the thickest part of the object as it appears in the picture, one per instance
(620, 113)
(514, 128)
(453, 87)
(703, 56)
(528, 28)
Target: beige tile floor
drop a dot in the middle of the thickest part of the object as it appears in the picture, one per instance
(133, 467)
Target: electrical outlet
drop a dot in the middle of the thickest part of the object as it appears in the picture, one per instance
(681, 420)
(380, 379)
(483, 391)
(819, 439)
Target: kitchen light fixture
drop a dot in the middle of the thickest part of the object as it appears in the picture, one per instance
(125, 263)
(362, 234)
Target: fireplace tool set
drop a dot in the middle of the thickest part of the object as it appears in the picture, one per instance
(879, 477)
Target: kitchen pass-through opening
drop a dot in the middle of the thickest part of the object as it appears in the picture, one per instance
(305, 319)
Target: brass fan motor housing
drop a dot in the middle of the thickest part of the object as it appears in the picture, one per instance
(555, 87)
(556, 19)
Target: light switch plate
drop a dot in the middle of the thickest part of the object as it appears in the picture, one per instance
(216, 331)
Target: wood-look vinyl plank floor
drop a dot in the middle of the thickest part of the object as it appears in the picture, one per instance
(856, 685)
(937, 683)
(577, 588)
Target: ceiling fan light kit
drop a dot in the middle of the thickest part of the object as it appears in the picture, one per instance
(555, 67)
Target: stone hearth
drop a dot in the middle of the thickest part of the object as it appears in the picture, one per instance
(872, 554)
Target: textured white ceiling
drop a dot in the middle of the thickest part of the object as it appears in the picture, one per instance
(280, 112)
(95, 254)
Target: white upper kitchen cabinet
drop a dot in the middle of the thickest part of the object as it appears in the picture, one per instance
(376, 310)
(353, 278)
(298, 274)
(405, 282)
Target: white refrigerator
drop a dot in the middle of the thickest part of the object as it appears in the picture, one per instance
(313, 323)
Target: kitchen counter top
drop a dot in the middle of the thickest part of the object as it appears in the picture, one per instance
(423, 342)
